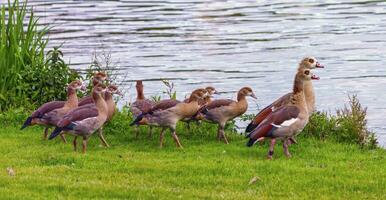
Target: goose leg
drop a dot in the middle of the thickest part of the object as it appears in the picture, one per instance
(45, 134)
(102, 138)
(224, 137)
(271, 149)
(63, 138)
(150, 135)
(84, 144)
(285, 147)
(222, 134)
(198, 123)
(175, 137)
(74, 142)
(292, 140)
(218, 133)
(188, 127)
(136, 131)
(161, 137)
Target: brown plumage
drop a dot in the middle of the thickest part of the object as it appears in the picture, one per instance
(90, 110)
(268, 110)
(98, 78)
(141, 105)
(85, 123)
(164, 105)
(219, 103)
(211, 90)
(159, 106)
(111, 106)
(287, 120)
(305, 63)
(167, 113)
(222, 110)
(49, 114)
(85, 100)
(202, 102)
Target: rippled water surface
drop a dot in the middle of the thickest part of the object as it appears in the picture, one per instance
(230, 44)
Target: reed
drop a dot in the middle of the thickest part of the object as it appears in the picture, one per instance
(22, 46)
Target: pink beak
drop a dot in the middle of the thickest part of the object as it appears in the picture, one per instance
(318, 65)
(314, 77)
(83, 88)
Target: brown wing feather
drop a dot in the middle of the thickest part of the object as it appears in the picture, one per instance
(262, 115)
(284, 100)
(142, 106)
(78, 114)
(219, 103)
(201, 102)
(85, 100)
(47, 107)
(277, 117)
(285, 113)
(165, 104)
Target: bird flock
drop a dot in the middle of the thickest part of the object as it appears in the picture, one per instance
(283, 119)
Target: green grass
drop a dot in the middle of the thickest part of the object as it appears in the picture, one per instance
(204, 169)
(22, 47)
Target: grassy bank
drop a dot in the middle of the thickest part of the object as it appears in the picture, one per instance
(137, 168)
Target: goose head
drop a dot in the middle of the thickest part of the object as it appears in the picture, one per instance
(211, 90)
(310, 63)
(306, 75)
(198, 94)
(99, 77)
(99, 89)
(247, 91)
(76, 85)
(113, 89)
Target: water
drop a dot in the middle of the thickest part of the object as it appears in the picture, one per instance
(231, 44)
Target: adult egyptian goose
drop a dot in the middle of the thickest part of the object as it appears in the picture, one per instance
(98, 78)
(111, 105)
(141, 105)
(86, 121)
(50, 113)
(202, 102)
(91, 108)
(167, 113)
(222, 110)
(288, 120)
(305, 63)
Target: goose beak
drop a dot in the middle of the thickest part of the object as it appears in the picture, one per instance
(119, 93)
(314, 77)
(83, 88)
(253, 95)
(318, 65)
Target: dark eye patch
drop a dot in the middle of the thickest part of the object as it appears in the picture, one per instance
(311, 60)
(307, 72)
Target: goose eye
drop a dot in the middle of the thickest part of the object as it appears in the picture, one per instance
(307, 72)
(311, 60)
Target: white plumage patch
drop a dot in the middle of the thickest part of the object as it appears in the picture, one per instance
(286, 123)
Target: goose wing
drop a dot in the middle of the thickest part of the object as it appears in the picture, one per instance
(283, 116)
(268, 110)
